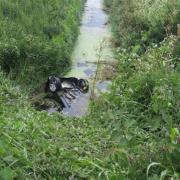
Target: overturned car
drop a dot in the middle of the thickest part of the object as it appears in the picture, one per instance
(66, 89)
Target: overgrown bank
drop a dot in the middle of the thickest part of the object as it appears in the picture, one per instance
(143, 110)
(37, 37)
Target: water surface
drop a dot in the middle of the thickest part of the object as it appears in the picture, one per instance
(94, 33)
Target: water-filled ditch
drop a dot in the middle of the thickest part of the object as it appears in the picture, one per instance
(93, 44)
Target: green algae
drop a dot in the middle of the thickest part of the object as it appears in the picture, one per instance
(94, 34)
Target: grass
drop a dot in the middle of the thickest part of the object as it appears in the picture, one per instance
(131, 133)
(37, 38)
(35, 145)
(142, 110)
(142, 114)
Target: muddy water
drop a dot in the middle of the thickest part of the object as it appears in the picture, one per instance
(94, 34)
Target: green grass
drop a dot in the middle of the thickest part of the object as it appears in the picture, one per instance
(142, 113)
(118, 140)
(137, 24)
(35, 145)
(130, 133)
(37, 37)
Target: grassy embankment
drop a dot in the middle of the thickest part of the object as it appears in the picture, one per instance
(132, 133)
(37, 37)
(143, 110)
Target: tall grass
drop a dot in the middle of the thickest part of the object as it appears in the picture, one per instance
(37, 37)
(142, 112)
(138, 23)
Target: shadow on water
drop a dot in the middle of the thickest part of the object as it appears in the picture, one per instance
(93, 31)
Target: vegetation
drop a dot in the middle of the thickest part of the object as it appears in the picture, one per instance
(142, 114)
(35, 145)
(37, 37)
(131, 133)
(143, 110)
(138, 24)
